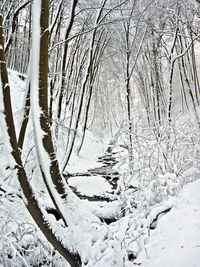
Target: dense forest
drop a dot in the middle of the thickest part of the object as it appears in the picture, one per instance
(95, 95)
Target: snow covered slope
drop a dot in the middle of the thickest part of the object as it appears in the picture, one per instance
(18, 87)
(176, 240)
(92, 148)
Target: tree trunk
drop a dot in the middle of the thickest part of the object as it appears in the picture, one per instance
(30, 200)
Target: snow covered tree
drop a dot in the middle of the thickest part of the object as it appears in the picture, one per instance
(28, 195)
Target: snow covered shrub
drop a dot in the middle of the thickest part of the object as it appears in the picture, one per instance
(159, 189)
(20, 242)
(161, 163)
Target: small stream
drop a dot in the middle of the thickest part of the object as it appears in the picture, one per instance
(96, 178)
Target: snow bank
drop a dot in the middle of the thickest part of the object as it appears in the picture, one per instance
(91, 150)
(90, 186)
(176, 240)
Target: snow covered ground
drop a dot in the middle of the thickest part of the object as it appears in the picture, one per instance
(176, 240)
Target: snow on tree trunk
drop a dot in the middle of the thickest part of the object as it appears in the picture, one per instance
(53, 234)
(72, 210)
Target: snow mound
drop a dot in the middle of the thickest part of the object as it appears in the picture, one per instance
(90, 186)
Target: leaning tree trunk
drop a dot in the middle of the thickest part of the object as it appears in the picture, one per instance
(29, 197)
(60, 193)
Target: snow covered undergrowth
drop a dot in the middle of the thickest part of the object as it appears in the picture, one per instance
(21, 242)
(176, 240)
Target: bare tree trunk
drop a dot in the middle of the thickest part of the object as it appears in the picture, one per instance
(64, 57)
